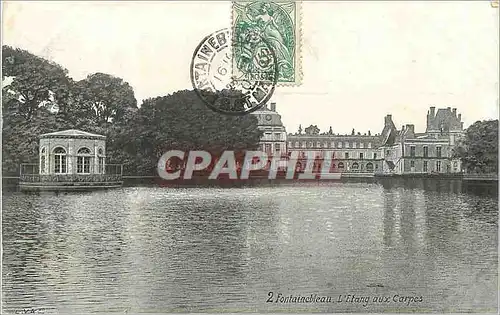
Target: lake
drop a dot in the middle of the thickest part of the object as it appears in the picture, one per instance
(297, 247)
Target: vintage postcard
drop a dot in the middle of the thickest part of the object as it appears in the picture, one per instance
(263, 156)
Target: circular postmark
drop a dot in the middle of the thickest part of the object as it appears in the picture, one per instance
(234, 76)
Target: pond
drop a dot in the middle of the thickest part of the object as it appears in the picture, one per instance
(298, 247)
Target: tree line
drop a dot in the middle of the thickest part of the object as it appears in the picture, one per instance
(38, 96)
(478, 150)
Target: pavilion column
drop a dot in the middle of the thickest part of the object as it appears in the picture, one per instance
(70, 157)
(95, 160)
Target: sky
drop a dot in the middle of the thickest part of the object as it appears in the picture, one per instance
(360, 60)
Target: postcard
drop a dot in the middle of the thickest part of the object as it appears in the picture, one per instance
(249, 156)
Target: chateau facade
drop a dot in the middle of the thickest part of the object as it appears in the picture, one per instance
(407, 152)
(392, 151)
(273, 141)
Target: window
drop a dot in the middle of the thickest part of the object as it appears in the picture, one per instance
(42, 161)
(438, 166)
(425, 166)
(332, 145)
(59, 160)
(277, 147)
(297, 144)
(325, 144)
(346, 155)
(361, 155)
(310, 144)
(369, 145)
(438, 152)
(412, 151)
(341, 165)
(354, 145)
(339, 145)
(374, 155)
(361, 145)
(346, 144)
(277, 136)
(101, 158)
(369, 167)
(268, 148)
(426, 151)
(412, 163)
(388, 152)
(83, 161)
(303, 144)
(290, 144)
(355, 166)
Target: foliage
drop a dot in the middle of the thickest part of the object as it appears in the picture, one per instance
(181, 121)
(39, 83)
(41, 98)
(105, 98)
(479, 148)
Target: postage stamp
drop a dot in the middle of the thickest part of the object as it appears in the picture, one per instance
(278, 24)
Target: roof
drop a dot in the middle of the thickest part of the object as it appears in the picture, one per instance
(72, 133)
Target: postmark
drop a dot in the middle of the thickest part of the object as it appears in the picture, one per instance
(213, 78)
(278, 23)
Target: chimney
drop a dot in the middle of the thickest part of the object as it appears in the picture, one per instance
(410, 128)
(449, 109)
(433, 111)
(388, 120)
(273, 106)
(455, 112)
(459, 117)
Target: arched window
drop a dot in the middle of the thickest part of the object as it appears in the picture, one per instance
(42, 161)
(369, 166)
(101, 157)
(60, 162)
(341, 165)
(83, 161)
(355, 166)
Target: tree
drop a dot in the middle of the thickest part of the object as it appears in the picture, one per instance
(181, 121)
(105, 98)
(20, 136)
(38, 83)
(478, 150)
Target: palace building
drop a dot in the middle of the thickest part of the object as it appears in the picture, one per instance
(350, 153)
(408, 152)
(392, 151)
(273, 141)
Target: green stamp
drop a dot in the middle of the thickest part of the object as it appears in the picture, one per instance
(276, 24)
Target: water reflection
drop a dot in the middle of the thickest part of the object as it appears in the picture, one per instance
(167, 250)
